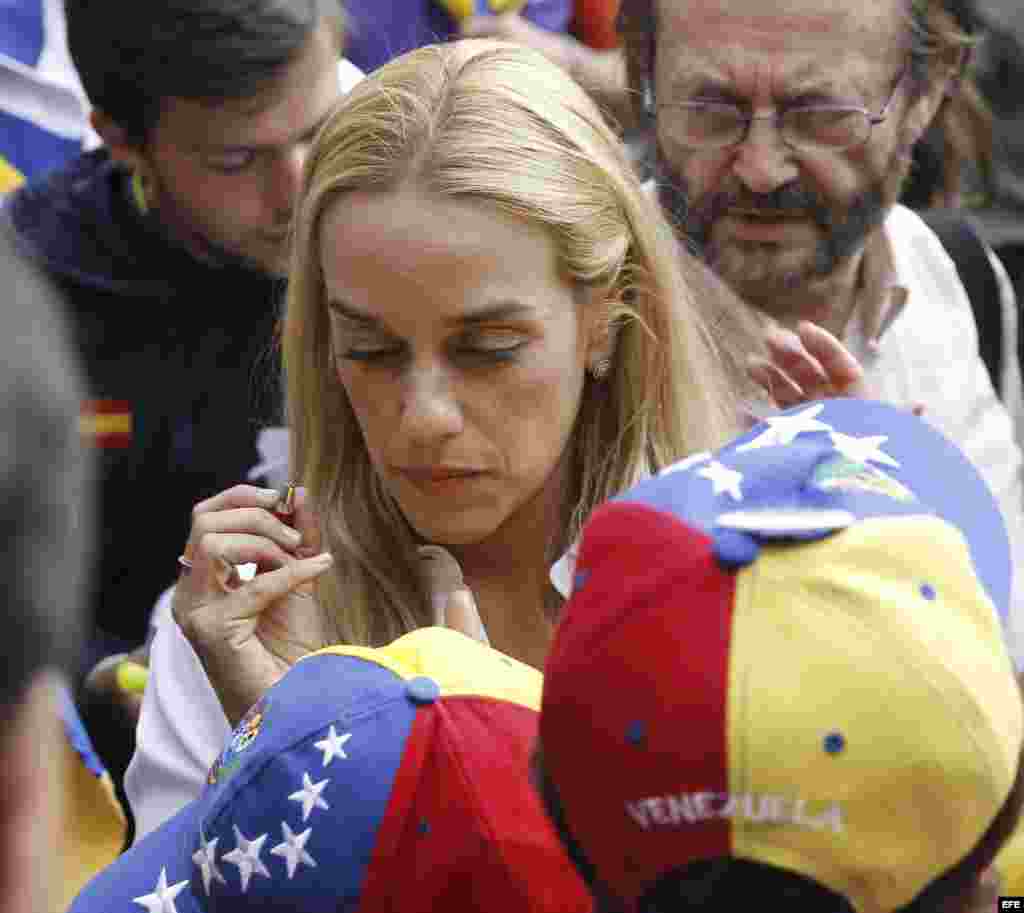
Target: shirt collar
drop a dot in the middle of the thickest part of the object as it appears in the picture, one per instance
(879, 288)
(563, 571)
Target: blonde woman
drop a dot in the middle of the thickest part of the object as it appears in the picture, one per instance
(490, 330)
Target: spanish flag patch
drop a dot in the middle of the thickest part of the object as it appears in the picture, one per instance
(106, 422)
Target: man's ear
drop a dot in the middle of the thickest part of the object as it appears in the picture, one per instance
(116, 139)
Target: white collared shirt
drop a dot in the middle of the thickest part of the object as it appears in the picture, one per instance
(929, 355)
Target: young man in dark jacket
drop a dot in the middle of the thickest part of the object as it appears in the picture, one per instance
(170, 244)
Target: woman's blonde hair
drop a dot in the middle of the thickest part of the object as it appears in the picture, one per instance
(484, 120)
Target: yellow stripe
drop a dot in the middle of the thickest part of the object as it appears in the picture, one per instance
(106, 423)
(460, 665)
(10, 177)
(834, 636)
(458, 9)
(94, 826)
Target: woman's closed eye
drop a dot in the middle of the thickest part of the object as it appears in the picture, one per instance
(490, 346)
(231, 162)
(487, 348)
(372, 352)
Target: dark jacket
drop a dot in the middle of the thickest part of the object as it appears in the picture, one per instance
(182, 347)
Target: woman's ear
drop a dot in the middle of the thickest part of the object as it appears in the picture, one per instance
(601, 337)
(600, 308)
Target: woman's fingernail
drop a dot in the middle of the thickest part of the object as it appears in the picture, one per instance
(325, 559)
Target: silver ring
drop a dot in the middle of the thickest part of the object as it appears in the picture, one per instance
(185, 563)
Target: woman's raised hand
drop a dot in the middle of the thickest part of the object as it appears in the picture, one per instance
(247, 633)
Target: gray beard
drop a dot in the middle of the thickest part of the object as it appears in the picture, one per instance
(766, 288)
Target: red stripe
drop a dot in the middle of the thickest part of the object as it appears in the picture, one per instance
(115, 440)
(464, 829)
(105, 406)
(645, 641)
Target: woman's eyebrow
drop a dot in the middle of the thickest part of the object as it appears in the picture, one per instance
(494, 311)
(343, 309)
(497, 310)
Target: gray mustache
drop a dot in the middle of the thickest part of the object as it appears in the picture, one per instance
(789, 198)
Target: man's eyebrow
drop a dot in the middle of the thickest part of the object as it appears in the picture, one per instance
(712, 82)
(495, 311)
(307, 136)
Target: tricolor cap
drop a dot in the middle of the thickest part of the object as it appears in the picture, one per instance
(391, 779)
(789, 652)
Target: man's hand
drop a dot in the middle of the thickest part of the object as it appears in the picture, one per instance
(561, 49)
(115, 680)
(807, 364)
(601, 73)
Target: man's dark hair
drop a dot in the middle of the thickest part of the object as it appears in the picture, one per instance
(735, 884)
(45, 482)
(132, 56)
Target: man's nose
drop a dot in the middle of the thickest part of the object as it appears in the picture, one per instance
(763, 162)
(286, 178)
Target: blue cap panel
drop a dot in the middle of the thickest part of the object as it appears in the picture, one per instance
(290, 819)
(819, 467)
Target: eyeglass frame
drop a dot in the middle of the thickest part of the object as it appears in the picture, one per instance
(748, 119)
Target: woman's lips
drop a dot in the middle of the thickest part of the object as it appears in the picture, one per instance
(434, 479)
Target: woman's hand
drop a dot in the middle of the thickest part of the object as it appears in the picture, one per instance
(248, 633)
(807, 364)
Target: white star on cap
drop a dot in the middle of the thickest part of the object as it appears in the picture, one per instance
(862, 449)
(162, 898)
(687, 463)
(205, 858)
(332, 746)
(247, 857)
(724, 479)
(294, 848)
(783, 429)
(309, 795)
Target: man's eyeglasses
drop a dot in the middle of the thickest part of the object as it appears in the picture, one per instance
(711, 125)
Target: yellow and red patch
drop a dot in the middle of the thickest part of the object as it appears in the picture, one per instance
(106, 422)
